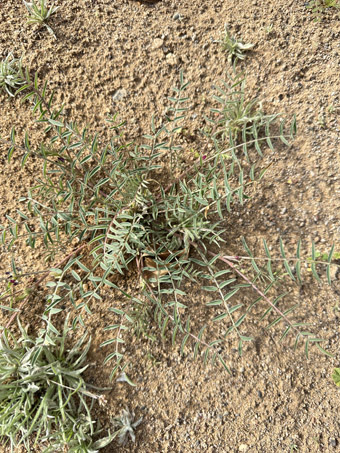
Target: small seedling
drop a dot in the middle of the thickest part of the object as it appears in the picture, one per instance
(320, 6)
(269, 28)
(325, 256)
(336, 376)
(234, 47)
(40, 14)
(126, 426)
(11, 74)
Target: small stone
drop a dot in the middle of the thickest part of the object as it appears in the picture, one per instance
(317, 239)
(259, 393)
(157, 43)
(176, 16)
(171, 59)
(119, 95)
(243, 447)
(333, 442)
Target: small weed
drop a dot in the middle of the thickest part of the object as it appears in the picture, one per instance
(11, 74)
(234, 47)
(336, 376)
(153, 362)
(238, 118)
(126, 426)
(269, 28)
(325, 256)
(40, 14)
(320, 6)
(42, 392)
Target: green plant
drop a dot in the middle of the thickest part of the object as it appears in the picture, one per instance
(239, 120)
(126, 426)
(116, 201)
(325, 256)
(235, 48)
(320, 6)
(39, 13)
(43, 394)
(11, 74)
(269, 28)
(336, 376)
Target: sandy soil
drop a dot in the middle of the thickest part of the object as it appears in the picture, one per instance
(276, 400)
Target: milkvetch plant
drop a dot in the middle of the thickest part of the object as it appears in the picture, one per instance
(117, 199)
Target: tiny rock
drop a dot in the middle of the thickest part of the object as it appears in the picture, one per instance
(171, 59)
(243, 447)
(157, 43)
(333, 442)
(119, 95)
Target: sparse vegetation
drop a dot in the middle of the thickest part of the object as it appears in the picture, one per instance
(39, 13)
(336, 376)
(11, 74)
(239, 119)
(318, 7)
(126, 426)
(107, 209)
(128, 218)
(234, 47)
(43, 396)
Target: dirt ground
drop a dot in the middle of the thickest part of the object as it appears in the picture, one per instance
(124, 56)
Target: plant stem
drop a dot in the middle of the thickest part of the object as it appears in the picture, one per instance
(24, 302)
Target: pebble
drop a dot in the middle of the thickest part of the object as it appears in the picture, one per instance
(176, 16)
(333, 442)
(171, 59)
(157, 43)
(243, 447)
(119, 95)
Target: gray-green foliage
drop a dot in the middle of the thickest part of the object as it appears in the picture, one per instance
(43, 395)
(235, 48)
(117, 198)
(39, 13)
(239, 120)
(125, 426)
(11, 74)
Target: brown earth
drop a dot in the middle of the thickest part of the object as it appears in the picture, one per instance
(276, 399)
